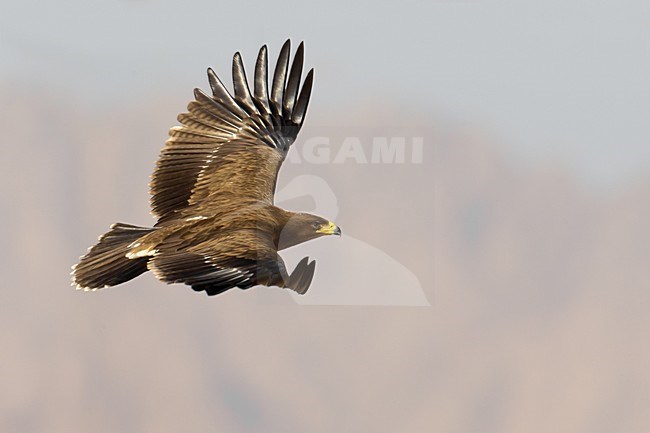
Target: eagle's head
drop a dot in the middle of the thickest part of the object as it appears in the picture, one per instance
(302, 227)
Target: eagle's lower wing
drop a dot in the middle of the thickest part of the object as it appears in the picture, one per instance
(231, 145)
(214, 269)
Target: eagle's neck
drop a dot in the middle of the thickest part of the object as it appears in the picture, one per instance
(289, 231)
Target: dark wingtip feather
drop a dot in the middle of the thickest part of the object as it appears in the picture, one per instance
(280, 77)
(302, 275)
(299, 111)
(221, 94)
(240, 84)
(215, 84)
(306, 277)
(291, 91)
(261, 88)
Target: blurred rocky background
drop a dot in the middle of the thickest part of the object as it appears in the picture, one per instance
(525, 223)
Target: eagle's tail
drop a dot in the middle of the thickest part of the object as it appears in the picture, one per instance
(106, 263)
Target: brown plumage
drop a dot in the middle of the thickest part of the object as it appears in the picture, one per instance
(212, 192)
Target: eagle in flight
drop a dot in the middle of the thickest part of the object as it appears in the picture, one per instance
(212, 192)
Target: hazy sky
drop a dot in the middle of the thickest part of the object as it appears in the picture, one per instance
(554, 80)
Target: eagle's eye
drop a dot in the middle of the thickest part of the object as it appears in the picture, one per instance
(316, 226)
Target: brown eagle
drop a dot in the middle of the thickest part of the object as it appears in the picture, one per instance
(212, 192)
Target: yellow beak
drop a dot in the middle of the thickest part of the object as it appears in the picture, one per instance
(329, 229)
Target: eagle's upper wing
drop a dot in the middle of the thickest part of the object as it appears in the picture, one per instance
(231, 147)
